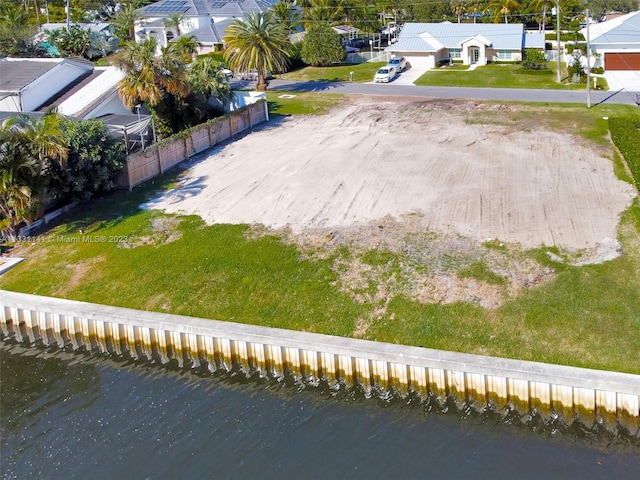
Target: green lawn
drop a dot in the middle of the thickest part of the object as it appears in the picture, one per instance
(362, 72)
(587, 316)
(297, 103)
(492, 75)
(497, 76)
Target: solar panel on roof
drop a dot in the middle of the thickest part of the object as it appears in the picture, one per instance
(218, 4)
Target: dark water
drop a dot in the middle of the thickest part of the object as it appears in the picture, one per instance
(77, 416)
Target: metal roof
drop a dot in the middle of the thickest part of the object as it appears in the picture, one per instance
(451, 35)
(621, 30)
(534, 40)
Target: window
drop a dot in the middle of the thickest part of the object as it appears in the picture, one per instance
(455, 53)
(504, 54)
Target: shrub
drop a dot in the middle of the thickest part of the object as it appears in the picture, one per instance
(93, 162)
(575, 68)
(625, 133)
(322, 46)
(534, 60)
(597, 70)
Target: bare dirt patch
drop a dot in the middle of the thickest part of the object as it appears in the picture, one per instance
(80, 271)
(431, 180)
(163, 230)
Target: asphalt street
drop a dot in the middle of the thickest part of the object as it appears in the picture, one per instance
(509, 94)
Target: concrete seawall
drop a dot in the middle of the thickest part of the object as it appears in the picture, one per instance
(612, 399)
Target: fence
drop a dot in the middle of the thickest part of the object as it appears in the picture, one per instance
(372, 56)
(158, 158)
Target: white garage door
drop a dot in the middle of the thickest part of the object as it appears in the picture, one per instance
(421, 62)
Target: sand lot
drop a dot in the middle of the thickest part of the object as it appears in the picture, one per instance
(369, 160)
(446, 185)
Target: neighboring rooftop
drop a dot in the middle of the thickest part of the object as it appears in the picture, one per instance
(621, 30)
(433, 36)
(17, 73)
(192, 8)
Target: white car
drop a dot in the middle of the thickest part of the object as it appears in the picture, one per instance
(399, 63)
(385, 74)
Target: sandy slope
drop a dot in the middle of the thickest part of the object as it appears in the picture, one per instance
(368, 160)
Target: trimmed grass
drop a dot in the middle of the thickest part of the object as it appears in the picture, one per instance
(362, 72)
(496, 76)
(587, 316)
(301, 103)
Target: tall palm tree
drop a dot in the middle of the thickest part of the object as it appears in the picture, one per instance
(256, 42)
(147, 76)
(327, 11)
(125, 20)
(284, 14)
(503, 7)
(459, 8)
(542, 5)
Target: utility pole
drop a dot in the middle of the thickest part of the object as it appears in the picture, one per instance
(588, 62)
(558, 35)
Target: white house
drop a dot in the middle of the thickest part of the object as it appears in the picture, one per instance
(425, 45)
(617, 41)
(206, 20)
(28, 83)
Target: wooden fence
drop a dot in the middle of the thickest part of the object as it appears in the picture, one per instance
(158, 158)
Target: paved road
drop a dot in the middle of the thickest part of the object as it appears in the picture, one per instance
(516, 94)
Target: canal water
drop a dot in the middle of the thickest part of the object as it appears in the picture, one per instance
(70, 415)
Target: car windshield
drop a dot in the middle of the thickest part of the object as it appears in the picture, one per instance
(393, 61)
(382, 70)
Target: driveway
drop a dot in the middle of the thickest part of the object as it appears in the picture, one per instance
(623, 80)
(409, 76)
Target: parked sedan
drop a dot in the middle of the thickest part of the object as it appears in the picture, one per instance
(385, 74)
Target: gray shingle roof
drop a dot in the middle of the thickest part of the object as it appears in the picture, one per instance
(15, 74)
(190, 8)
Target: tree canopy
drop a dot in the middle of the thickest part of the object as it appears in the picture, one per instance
(322, 46)
(257, 41)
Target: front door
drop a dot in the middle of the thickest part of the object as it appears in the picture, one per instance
(475, 54)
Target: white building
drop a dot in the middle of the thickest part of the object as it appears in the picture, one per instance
(28, 83)
(617, 41)
(425, 45)
(206, 20)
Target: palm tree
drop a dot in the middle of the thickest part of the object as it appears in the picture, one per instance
(173, 21)
(206, 77)
(147, 77)
(327, 11)
(503, 7)
(186, 47)
(16, 31)
(125, 20)
(544, 5)
(459, 8)
(256, 42)
(27, 148)
(284, 14)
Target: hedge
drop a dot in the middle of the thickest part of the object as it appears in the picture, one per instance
(625, 133)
